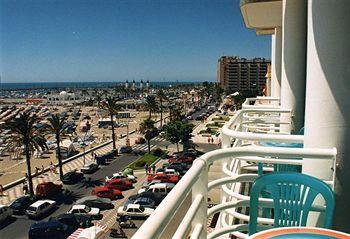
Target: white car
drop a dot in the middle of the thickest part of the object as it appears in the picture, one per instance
(5, 212)
(83, 209)
(121, 176)
(134, 210)
(171, 172)
(40, 207)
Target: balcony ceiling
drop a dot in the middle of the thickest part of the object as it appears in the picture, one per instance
(263, 16)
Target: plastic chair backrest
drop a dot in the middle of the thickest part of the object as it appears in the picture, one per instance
(293, 195)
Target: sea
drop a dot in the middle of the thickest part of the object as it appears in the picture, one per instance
(70, 85)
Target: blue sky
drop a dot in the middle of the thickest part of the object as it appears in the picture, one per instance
(115, 40)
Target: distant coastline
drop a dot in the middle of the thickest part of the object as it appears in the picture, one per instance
(71, 85)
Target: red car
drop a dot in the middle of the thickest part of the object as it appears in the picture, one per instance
(182, 159)
(105, 192)
(48, 189)
(119, 184)
(163, 178)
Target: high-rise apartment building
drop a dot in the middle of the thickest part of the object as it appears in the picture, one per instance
(241, 74)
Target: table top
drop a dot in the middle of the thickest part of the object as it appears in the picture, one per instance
(300, 233)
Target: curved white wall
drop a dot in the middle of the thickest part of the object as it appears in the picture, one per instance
(327, 110)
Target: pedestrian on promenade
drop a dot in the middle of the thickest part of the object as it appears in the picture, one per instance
(146, 168)
(154, 168)
(208, 140)
(1, 190)
(149, 170)
(212, 140)
(25, 188)
(36, 171)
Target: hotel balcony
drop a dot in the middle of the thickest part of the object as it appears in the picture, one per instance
(245, 155)
(301, 128)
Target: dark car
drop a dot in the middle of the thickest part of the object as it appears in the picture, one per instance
(74, 220)
(48, 189)
(179, 167)
(125, 149)
(94, 201)
(72, 177)
(89, 167)
(20, 205)
(155, 197)
(146, 202)
(52, 229)
(199, 117)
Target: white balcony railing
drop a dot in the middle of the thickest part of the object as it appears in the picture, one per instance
(238, 158)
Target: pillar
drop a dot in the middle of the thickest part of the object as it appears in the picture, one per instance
(327, 109)
(276, 55)
(294, 21)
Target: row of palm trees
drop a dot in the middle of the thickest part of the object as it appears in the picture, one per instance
(27, 138)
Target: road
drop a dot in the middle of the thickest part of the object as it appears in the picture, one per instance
(11, 230)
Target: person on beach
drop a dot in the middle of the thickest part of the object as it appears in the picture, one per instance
(42, 169)
(1, 190)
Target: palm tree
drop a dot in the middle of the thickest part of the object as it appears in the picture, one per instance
(161, 96)
(147, 128)
(27, 137)
(110, 105)
(57, 126)
(151, 105)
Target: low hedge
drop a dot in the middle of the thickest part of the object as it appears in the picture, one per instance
(140, 162)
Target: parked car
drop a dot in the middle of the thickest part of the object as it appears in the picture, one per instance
(85, 210)
(199, 117)
(146, 202)
(20, 205)
(40, 208)
(74, 220)
(105, 192)
(51, 229)
(129, 177)
(89, 167)
(148, 184)
(119, 184)
(48, 189)
(134, 211)
(163, 178)
(5, 212)
(180, 167)
(171, 172)
(131, 199)
(125, 149)
(72, 177)
(140, 140)
(94, 201)
(160, 189)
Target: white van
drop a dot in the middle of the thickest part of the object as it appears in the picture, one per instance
(40, 208)
(160, 189)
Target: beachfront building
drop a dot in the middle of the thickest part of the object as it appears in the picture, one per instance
(65, 98)
(241, 74)
(302, 129)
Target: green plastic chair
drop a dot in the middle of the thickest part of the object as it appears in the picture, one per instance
(292, 195)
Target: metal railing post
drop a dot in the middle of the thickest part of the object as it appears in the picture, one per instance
(201, 188)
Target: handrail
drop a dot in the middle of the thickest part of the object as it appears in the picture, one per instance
(228, 132)
(156, 223)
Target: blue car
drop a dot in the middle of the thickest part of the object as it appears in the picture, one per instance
(52, 229)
